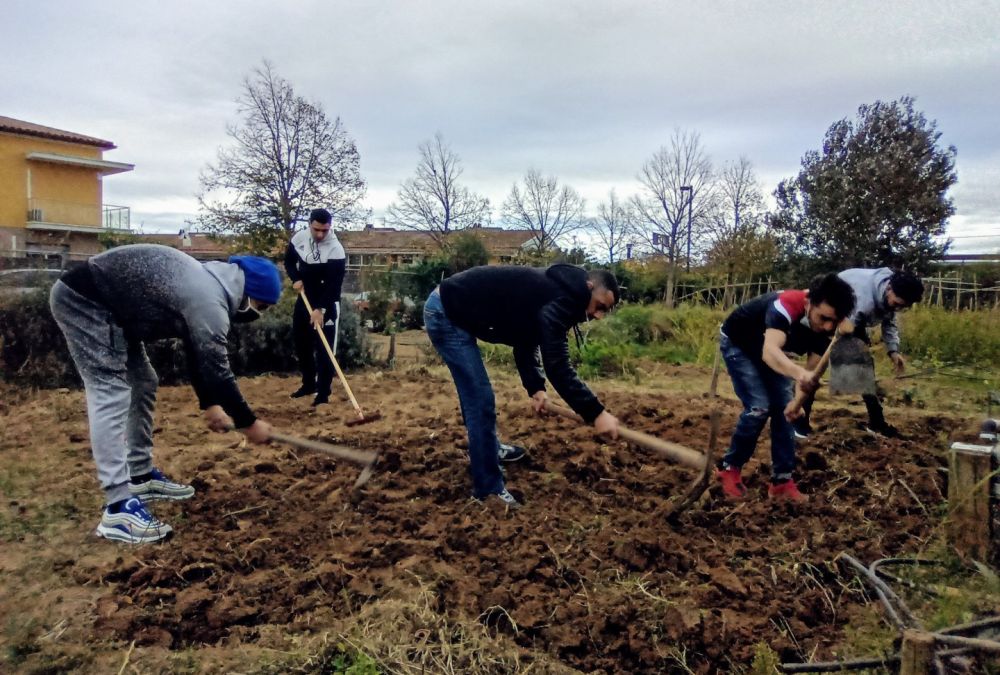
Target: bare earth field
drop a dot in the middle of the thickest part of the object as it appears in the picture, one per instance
(274, 557)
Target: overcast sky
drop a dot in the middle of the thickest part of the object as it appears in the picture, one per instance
(581, 89)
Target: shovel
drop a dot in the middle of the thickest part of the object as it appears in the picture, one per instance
(852, 369)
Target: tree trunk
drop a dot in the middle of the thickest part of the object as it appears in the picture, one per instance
(668, 295)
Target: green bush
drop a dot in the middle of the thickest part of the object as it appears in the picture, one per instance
(947, 337)
(33, 351)
(687, 334)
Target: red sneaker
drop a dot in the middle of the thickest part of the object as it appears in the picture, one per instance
(786, 491)
(732, 483)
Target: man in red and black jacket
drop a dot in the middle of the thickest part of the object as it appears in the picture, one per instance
(531, 310)
(754, 341)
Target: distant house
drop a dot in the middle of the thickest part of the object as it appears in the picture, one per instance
(196, 244)
(387, 247)
(51, 192)
(379, 248)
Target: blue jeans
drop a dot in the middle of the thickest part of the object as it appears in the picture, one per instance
(764, 394)
(460, 352)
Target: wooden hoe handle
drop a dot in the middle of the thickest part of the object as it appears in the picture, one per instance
(333, 359)
(362, 457)
(844, 328)
(681, 454)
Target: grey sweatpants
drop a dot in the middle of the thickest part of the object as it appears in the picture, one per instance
(121, 389)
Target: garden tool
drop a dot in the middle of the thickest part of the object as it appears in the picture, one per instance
(852, 369)
(672, 451)
(362, 418)
(794, 408)
(365, 458)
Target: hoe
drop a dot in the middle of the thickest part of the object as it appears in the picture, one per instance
(362, 418)
(675, 452)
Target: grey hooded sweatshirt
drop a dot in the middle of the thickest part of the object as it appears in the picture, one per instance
(871, 307)
(157, 292)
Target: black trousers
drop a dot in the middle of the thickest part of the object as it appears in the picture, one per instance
(317, 369)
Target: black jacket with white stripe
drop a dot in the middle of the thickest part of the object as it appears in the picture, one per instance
(320, 266)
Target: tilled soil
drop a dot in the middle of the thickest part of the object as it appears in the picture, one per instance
(589, 571)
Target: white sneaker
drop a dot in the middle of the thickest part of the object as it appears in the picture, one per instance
(132, 524)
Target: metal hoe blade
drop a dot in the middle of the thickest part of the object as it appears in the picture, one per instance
(852, 370)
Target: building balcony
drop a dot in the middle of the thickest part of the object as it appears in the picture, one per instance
(53, 214)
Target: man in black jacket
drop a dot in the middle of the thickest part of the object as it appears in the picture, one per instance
(316, 263)
(531, 310)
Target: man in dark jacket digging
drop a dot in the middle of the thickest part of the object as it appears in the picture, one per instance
(531, 310)
(107, 309)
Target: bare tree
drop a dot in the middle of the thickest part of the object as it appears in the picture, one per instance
(614, 227)
(546, 209)
(737, 231)
(662, 207)
(433, 201)
(288, 158)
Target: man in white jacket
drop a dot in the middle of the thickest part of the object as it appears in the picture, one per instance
(880, 293)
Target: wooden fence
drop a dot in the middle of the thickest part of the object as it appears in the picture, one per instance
(951, 292)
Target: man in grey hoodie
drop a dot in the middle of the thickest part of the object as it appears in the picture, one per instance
(880, 293)
(107, 309)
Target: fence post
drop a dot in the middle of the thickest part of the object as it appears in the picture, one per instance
(916, 652)
(970, 469)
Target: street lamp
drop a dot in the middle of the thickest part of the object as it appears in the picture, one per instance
(690, 192)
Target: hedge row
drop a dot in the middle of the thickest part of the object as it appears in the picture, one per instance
(33, 351)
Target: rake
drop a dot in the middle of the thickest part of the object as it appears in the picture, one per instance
(362, 418)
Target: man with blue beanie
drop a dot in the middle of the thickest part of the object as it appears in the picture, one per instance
(107, 309)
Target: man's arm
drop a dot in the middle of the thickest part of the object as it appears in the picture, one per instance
(776, 359)
(336, 269)
(526, 358)
(292, 263)
(555, 320)
(208, 362)
(890, 336)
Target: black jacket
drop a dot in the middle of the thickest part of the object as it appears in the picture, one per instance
(532, 310)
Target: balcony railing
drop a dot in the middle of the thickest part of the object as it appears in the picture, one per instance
(76, 214)
(117, 217)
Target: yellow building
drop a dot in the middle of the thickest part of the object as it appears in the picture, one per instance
(51, 192)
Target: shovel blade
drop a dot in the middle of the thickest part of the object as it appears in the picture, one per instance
(852, 370)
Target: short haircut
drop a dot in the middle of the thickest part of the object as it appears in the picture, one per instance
(605, 279)
(907, 286)
(321, 216)
(833, 290)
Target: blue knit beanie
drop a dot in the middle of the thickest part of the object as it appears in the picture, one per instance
(261, 279)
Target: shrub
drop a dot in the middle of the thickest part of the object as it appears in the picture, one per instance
(941, 336)
(33, 351)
